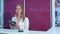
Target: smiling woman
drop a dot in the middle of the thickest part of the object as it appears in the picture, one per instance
(19, 20)
(9, 10)
(16, 19)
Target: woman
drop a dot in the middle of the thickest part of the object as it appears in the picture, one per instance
(22, 22)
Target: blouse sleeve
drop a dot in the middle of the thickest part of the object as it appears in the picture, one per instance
(26, 24)
(13, 19)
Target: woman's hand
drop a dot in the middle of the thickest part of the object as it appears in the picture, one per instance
(10, 26)
(17, 25)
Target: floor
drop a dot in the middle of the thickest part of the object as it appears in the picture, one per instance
(53, 30)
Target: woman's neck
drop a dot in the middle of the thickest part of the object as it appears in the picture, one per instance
(18, 17)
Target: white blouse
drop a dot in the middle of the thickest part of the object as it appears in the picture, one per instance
(23, 24)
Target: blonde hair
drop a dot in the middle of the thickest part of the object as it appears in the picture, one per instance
(22, 13)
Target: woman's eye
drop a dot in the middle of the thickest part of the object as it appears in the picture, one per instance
(19, 8)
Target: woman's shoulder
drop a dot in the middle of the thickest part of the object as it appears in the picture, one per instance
(26, 18)
(14, 16)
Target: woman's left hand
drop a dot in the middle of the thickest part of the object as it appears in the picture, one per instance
(17, 25)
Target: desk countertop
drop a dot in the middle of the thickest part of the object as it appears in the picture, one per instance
(10, 31)
(53, 30)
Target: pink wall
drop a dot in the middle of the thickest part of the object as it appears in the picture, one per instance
(38, 12)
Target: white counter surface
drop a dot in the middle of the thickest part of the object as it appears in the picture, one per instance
(53, 30)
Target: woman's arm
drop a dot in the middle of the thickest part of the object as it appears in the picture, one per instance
(16, 25)
(26, 24)
(10, 26)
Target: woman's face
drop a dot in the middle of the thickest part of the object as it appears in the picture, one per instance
(18, 9)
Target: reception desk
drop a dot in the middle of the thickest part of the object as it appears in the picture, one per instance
(53, 30)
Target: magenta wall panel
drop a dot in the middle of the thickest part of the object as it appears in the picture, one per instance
(38, 12)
